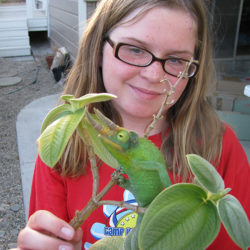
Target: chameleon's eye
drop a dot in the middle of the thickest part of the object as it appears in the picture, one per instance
(123, 136)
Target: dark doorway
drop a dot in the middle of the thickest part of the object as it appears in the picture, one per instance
(243, 47)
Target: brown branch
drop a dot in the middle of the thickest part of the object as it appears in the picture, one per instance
(81, 216)
(159, 116)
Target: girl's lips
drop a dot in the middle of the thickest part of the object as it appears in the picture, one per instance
(145, 93)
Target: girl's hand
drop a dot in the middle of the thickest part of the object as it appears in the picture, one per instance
(46, 231)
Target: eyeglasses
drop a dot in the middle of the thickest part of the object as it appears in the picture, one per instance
(137, 56)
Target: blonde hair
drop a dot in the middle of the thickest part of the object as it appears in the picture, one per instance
(195, 127)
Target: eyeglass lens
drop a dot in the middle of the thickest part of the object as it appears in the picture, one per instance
(141, 57)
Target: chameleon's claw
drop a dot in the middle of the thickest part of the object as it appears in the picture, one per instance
(121, 170)
(115, 175)
(122, 181)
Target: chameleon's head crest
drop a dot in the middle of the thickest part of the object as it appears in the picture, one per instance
(116, 137)
(103, 125)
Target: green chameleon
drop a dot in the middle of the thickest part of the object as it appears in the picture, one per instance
(137, 157)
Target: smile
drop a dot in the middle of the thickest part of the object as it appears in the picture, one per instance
(145, 93)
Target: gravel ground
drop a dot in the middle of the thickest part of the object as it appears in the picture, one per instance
(12, 100)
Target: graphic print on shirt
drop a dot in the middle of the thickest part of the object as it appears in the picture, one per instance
(120, 221)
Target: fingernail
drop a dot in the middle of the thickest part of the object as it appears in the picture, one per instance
(68, 232)
(64, 247)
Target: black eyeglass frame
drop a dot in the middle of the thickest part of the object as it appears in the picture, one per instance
(116, 47)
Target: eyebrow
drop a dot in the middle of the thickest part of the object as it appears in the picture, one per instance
(145, 45)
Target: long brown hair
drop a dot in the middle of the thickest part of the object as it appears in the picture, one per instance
(195, 127)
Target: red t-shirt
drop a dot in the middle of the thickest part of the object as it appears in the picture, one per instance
(63, 196)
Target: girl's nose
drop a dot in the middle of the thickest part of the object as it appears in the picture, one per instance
(153, 73)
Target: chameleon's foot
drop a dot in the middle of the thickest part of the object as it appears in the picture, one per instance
(121, 170)
(124, 183)
(115, 175)
(121, 180)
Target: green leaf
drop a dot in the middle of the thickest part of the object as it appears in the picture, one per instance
(77, 103)
(54, 114)
(82, 101)
(180, 217)
(131, 241)
(53, 140)
(114, 243)
(61, 122)
(205, 173)
(235, 220)
(67, 97)
(98, 146)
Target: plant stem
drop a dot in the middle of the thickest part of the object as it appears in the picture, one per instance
(216, 197)
(83, 132)
(156, 118)
(81, 216)
(159, 116)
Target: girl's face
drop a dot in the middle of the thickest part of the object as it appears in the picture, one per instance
(162, 31)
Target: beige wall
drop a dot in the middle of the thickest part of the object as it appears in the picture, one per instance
(64, 26)
(63, 21)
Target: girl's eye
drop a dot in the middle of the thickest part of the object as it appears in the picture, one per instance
(130, 50)
(123, 136)
(135, 50)
(176, 61)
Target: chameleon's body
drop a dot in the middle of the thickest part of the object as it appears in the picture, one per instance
(138, 157)
(141, 161)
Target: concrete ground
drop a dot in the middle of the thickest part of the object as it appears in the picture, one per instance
(28, 125)
(37, 81)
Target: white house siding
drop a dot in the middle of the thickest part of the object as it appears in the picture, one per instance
(64, 22)
(63, 19)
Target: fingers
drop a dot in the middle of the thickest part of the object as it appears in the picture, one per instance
(31, 239)
(46, 231)
(45, 221)
(77, 240)
(78, 235)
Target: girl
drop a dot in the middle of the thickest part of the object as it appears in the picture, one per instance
(134, 49)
